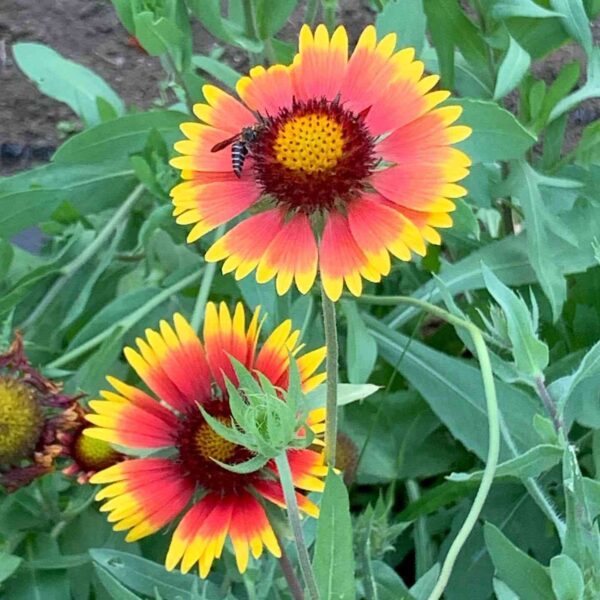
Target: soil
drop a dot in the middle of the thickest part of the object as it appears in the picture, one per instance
(89, 32)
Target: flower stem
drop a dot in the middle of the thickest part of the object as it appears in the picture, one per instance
(204, 290)
(311, 12)
(124, 324)
(549, 405)
(289, 493)
(331, 342)
(493, 428)
(329, 14)
(287, 569)
(90, 251)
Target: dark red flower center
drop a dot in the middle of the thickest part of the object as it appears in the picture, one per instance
(200, 445)
(312, 156)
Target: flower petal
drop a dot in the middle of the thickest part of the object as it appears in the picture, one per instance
(244, 245)
(292, 254)
(212, 204)
(151, 493)
(342, 260)
(319, 66)
(223, 111)
(266, 91)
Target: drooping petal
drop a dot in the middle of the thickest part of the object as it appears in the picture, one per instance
(223, 111)
(250, 531)
(291, 255)
(342, 260)
(243, 246)
(200, 536)
(272, 491)
(146, 494)
(266, 91)
(209, 205)
(320, 64)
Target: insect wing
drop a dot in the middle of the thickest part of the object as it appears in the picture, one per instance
(221, 145)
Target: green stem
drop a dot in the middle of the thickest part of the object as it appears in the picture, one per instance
(250, 22)
(331, 343)
(289, 493)
(124, 324)
(204, 290)
(493, 428)
(79, 261)
(287, 569)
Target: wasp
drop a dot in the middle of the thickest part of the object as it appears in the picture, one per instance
(241, 145)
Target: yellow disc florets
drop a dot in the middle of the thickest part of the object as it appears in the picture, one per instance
(21, 420)
(211, 445)
(310, 143)
(92, 454)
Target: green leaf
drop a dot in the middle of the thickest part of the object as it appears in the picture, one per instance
(575, 21)
(567, 579)
(530, 353)
(502, 9)
(453, 389)
(424, 586)
(65, 80)
(532, 463)
(510, 261)
(120, 137)
(346, 394)
(513, 67)
(59, 562)
(523, 574)
(591, 89)
(23, 209)
(497, 135)
(449, 27)
(9, 563)
(503, 592)
(588, 150)
(272, 16)
(388, 584)
(405, 18)
(217, 69)
(361, 349)
(333, 561)
(32, 584)
(112, 585)
(146, 577)
(524, 187)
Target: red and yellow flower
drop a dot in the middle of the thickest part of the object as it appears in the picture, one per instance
(143, 495)
(351, 161)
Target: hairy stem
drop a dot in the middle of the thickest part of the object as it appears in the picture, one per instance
(331, 342)
(204, 290)
(549, 405)
(114, 223)
(289, 493)
(287, 569)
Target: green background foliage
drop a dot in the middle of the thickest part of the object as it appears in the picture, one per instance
(522, 263)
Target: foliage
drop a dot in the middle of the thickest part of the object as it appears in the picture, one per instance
(521, 263)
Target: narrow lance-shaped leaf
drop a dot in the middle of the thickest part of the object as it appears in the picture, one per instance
(513, 67)
(334, 558)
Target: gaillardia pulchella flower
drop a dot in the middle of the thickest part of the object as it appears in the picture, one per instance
(349, 160)
(145, 494)
(33, 412)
